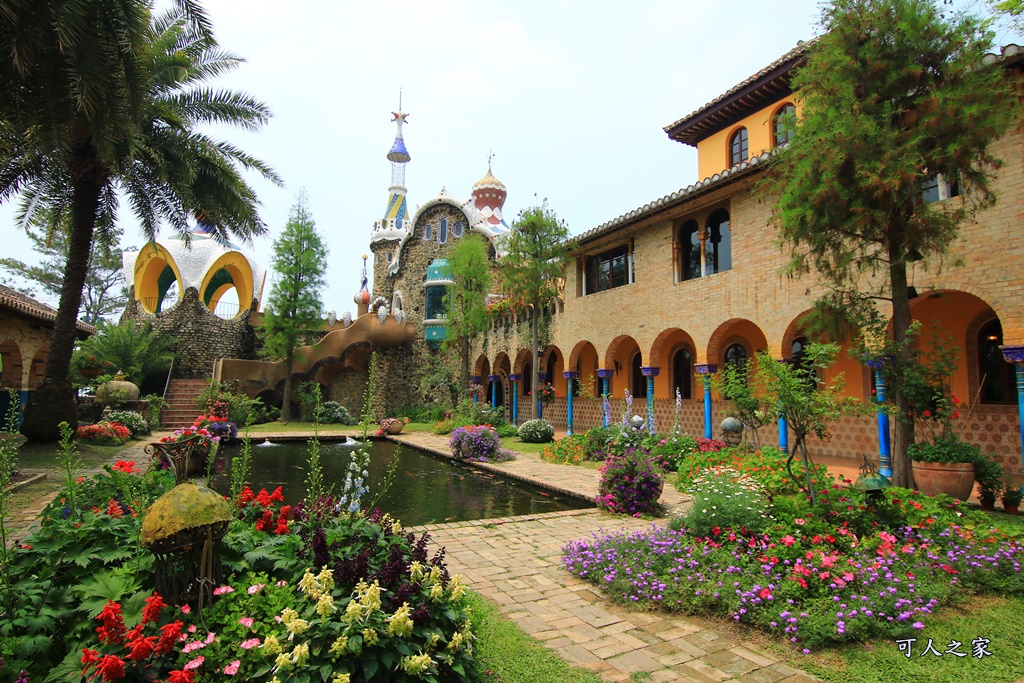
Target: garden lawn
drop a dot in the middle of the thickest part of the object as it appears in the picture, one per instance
(513, 443)
(298, 428)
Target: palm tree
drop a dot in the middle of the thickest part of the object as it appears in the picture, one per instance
(97, 97)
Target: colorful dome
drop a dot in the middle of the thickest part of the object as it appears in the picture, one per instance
(489, 195)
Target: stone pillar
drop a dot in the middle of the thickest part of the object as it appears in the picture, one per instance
(650, 373)
(605, 374)
(705, 371)
(494, 379)
(783, 427)
(884, 446)
(570, 377)
(514, 381)
(541, 376)
(475, 380)
(1015, 355)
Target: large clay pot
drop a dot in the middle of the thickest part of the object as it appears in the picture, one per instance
(117, 390)
(396, 427)
(955, 479)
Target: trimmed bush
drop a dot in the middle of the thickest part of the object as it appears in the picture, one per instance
(135, 423)
(332, 413)
(104, 433)
(536, 431)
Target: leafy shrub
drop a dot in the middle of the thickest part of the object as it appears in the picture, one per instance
(135, 423)
(507, 430)
(569, 451)
(332, 412)
(425, 414)
(596, 441)
(536, 431)
(767, 466)
(944, 451)
(444, 427)
(156, 406)
(724, 499)
(631, 484)
(478, 443)
(104, 433)
(241, 408)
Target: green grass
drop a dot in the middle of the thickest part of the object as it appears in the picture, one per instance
(997, 619)
(297, 428)
(509, 655)
(513, 443)
(43, 456)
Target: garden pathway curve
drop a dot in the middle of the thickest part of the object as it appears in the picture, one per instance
(516, 562)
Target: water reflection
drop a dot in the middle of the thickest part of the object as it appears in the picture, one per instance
(425, 490)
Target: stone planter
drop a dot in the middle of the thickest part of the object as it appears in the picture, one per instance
(955, 479)
(395, 427)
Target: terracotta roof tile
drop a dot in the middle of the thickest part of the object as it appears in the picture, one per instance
(14, 300)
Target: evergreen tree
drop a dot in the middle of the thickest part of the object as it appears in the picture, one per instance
(466, 298)
(294, 305)
(534, 262)
(893, 94)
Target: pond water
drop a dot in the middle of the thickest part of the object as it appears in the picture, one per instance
(426, 489)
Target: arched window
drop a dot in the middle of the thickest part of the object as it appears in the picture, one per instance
(527, 378)
(442, 230)
(428, 232)
(718, 250)
(782, 124)
(689, 239)
(639, 381)
(736, 356)
(457, 229)
(994, 373)
(551, 365)
(682, 369)
(739, 147)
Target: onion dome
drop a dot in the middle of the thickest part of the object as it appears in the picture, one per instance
(489, 195)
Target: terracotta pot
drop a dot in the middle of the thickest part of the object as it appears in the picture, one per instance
(989, 505)
(955, 479)
(1010, 509)
(90, 373)
(396, 427)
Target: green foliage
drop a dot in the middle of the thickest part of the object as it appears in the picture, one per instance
(241, 466)
(725, 499)
(944, 451)
(535, 258)
(438, 386)
(424, 414)
(332, 412)
(767, 467)
(466, 298)
(309, 394)
(596, 441)
(135, 423)
(743, 387)
(8, 462)
(293, 307)
(568, 451)
(141, 354)
(241, 409)
(156, 406)
(536, 431)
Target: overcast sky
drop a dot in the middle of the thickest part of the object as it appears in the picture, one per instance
(570, 96)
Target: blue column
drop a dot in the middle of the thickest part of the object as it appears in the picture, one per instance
(783, 427)
(474, 379)
(514, 381)
(541, 376)
(705, 371)
(494, 379)
(605, 375)
(570, 377)
(650, 373)
(1015, 355)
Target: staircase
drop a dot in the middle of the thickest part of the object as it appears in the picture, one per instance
(180, 409)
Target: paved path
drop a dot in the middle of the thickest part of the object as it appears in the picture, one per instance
(517, 563)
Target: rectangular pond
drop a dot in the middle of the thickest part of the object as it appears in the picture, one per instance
(426, 489)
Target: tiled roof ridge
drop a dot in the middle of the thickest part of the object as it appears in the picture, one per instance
(26, 305)
(669, 200)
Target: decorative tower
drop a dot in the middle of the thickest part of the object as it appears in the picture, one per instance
(389, 233)
(489, 195)
(362, 297)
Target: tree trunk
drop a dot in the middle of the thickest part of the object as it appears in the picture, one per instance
(535, 368)
(902, 475)
(53, 401)
(286, 404)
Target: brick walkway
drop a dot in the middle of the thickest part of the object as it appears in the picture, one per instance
(516, 562)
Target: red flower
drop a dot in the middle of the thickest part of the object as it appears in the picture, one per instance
(113, 628)
(154, 604)
(716, 530)
(111, 667)
(263, 498)
(180, 677)
(765, 594)
(114, 509)
(124, 466)
(265, 521)
(927, 413)
(169, 636)
(282, 528)
(141, 648)
(277, 496)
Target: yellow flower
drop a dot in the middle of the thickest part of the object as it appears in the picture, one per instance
(271, 646)
(283, 661)
(416, 664)
(354, 611)
(436, 593)
(399, 623)
(434, 639)
(326, 579)
(371, 598)
(415, 571)
(300, 654)
(370, 636)
(275, 679)
(287, 615)
(455, 644)
(435, 575)
(455, 588)
(325, 605)
(297, 627)
(339, 646)
(341, 678)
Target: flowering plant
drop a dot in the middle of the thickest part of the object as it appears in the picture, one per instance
(261, 509)
(547, 394)
(200, 427)
(92, 363)
(726, 499)
(631, 483)
(143, 650)
(475, 390)
(104, 433)
(479, 443)
(388, 424)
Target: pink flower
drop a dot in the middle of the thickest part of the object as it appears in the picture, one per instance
(255, 588)
(193, 646)
(222, 590)
(210, 637)
(195, 663)
(232, 668)
(192, 628)
(280, 583)
(798, 521)
(788, 540)
(246, 622)
(251, 643)
(185, 609)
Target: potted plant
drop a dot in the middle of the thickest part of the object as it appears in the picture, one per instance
(90, 367)
(547, 393)
(945, 466)
(989, 476)
(1012, 495)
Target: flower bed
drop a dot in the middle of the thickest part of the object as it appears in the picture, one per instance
(479, 443)
(104, 433)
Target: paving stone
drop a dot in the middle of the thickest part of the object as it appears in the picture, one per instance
(635, 660)
(577, 654)
(756, 657)
(673, 658)
(665, 676)
(761, 676)
(612, 649)
(730, 663)
(704, 669)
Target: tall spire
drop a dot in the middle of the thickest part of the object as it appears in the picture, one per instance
(395, 217)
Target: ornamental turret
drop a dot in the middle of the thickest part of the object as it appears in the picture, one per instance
(394, 224)
(362, 297)
(489, 195)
